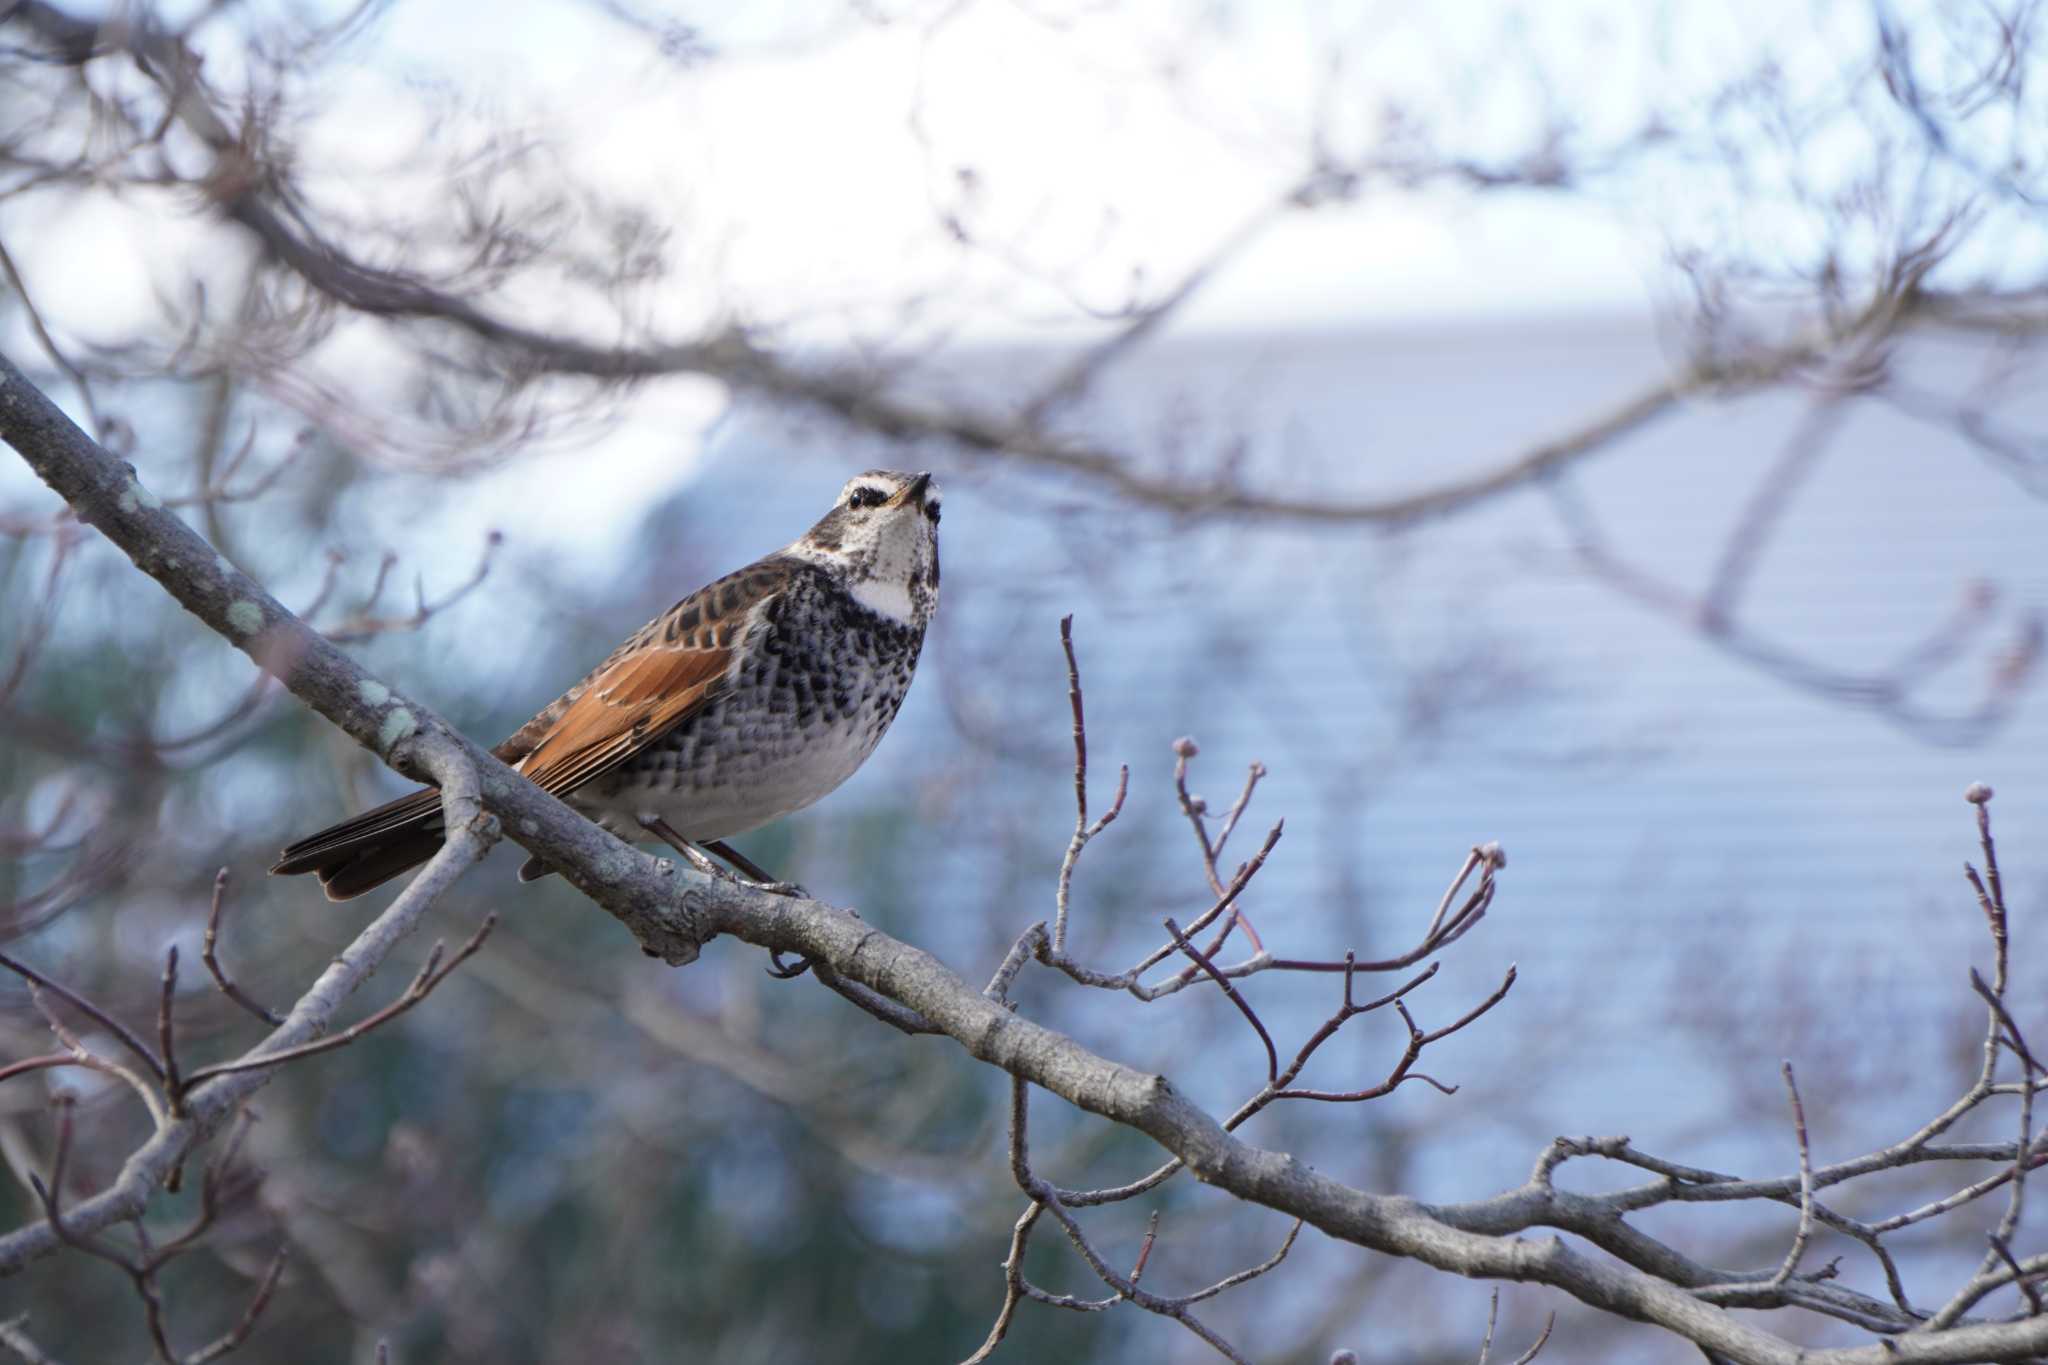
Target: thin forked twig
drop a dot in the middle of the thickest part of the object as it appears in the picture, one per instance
(90, 1010)
(1805, 1229)
(227, 984)
(1251, 1015)
(431, 974)
(1226, 899)
(2003, 1250)
(1196, 810)
(1083, 829)
(239, 1333)
(1013, 1284)
(1046, 1199)
(143, 1269)
(1443, 930)
(364, 626)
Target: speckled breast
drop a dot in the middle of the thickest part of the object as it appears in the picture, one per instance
(817, 681)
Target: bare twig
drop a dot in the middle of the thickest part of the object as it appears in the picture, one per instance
(1535, 1347)
(174, 1089)
(907, 1021)
(144, 1268)
(49, 343)
(14, 1336)
(246, 1324)
(364, 625)
(1768, 503)
(1805, 1230)
(1251, 1016)
(206, 954)
(1888, 692)
(2020, 1277)
(42, 1063)
(1083, 830)
(1542, 1340)
(1013, 1284)
(1126, 1288)
(90, 1010)
(431, 974)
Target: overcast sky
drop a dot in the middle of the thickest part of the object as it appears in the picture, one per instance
(815, 156)
(810, 161)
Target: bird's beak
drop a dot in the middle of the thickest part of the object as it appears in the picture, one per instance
(912, 492)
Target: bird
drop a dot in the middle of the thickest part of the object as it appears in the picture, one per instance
(753, 697)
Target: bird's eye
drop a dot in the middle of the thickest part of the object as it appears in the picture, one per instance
(867, 495)
(931, 509)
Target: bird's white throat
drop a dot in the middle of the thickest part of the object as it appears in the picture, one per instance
(886, 597)
(878, 568)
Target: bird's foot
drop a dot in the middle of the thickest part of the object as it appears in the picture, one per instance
(783, 970)
(773, 888)
(752, 873)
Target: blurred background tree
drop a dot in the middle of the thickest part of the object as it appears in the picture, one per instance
(1610, 429)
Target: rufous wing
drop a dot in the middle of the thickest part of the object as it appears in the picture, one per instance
(633, 701)
(663, 675)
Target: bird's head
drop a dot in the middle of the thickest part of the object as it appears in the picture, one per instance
(883, 535)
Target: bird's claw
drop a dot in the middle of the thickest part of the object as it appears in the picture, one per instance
(786, 971)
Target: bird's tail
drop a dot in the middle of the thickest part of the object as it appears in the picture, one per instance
(365, 852)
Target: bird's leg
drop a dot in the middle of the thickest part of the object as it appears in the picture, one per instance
(747, 866)
(753, 871)
(664, 831)
(750, 872)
